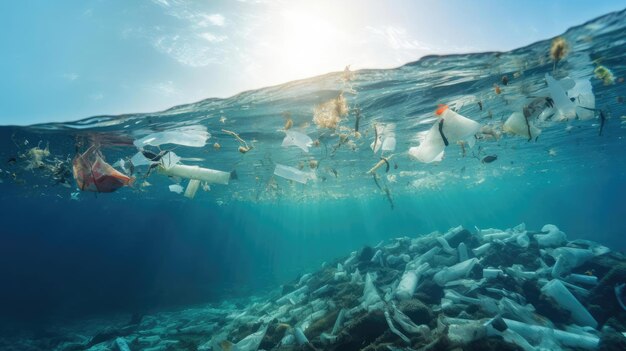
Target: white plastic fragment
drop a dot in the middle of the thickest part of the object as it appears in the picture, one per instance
(293, 295)
(193, 136)
(568, 258)
(584, 99)
(195, 172)
(407, 324)
(394, 330)
(553, 238)
(455, 272)
(479, 251)
(534, 333)
(462, 334)
(389, 137)
(338, 322)
(559, 293)
(192, 188)
(518, 125)
(294, 174)
(462, 249)
(301, 140)
(371, 300)
(582, 279)
(408, 283)
(490, 273)
(176, 188)
(444, 244)
(378, 257)
(140, 160)
(121, 344)
(431, 148)
(252, 341)
(565, 107)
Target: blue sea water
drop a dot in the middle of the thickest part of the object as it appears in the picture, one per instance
(143, 248)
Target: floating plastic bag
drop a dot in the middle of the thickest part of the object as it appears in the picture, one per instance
(92, 173)
(517, 124)
(585, 101)
(450, 128)
(431, 148)
(193, 136)
(572, 98)
(298, 139)
(389, 137)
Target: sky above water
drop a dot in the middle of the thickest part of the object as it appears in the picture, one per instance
(71, 59)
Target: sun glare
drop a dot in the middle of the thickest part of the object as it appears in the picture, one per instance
(303, 44)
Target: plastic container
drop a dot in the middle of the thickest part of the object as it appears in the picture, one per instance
(536, 332)
(195, 172)
(462, 249)
(568, 258)
(192, 188)
(490, 273)
(559, 293)
(479, 251)
(455, 272)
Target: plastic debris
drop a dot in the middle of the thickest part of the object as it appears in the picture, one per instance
(536, 333)
(568, 258)
(195, 172)
(553, 237)
(301, 140)
(450, 128)
(394, 330)
(92, 173)
(454, 272)
(176, 188)
(572, 98)
(193, 136)
(192, 188)
(517, 124)
(294, 174)
(557, 291)
(121, 344)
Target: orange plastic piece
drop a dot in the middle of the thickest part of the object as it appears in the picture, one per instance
(442, 108)
(92, 173)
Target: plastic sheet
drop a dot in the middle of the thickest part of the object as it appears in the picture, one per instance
(294, 174)
(92, 173)
(301, 140)
(193, 136)
(176, 188)
(553, 238)
(517, 124)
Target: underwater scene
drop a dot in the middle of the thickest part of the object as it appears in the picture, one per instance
(458, 202)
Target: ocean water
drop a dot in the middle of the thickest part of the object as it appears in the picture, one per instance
(68, 255)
